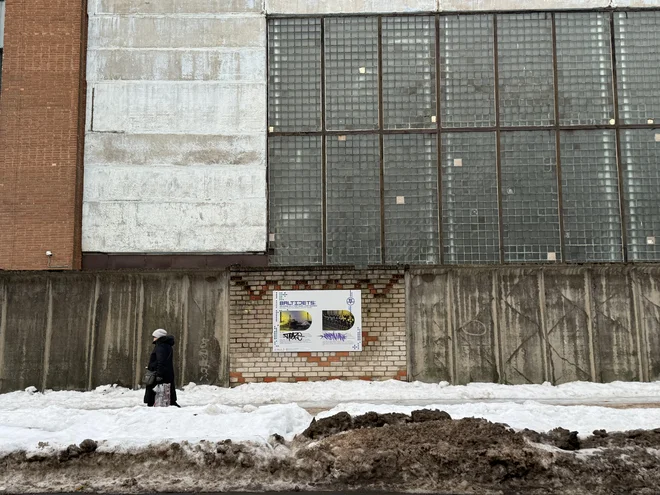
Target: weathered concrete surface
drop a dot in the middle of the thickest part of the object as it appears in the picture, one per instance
(534, 324)
(103, 149)
(222, 64)
(309, 7)
(78, 331)
(646, 285)
(179, 86)
(517, 5)
(178, 108)
(2, 23)
(175, 32)
(348, 6)
(174, 6)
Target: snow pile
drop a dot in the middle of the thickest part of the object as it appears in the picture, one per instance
(333, 392)
(116, 418)
(123, 430)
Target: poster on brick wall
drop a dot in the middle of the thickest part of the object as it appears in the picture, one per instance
(317, 320)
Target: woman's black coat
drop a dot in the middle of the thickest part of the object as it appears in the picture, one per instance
(162, 363)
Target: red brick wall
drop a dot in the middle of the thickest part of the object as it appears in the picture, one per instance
(251, 353)
(41, 133)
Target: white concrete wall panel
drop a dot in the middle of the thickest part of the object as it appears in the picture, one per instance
(222, 64)
(311, 7)
(112, 227)
(175, 6)
(197, 184)
(518, 5)
(2, 24)
(307, 7)
(112, 149)
(175, 152)
(176, 31)
(638, 4)
(188, 108)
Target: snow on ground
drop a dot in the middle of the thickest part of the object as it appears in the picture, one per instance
(118, 420)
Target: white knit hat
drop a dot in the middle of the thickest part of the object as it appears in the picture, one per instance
(159, 333)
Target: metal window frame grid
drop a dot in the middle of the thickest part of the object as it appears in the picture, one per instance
(557, 127)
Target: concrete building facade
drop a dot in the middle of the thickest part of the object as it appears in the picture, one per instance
(186, 158)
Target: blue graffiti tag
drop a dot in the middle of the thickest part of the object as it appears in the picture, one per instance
(333, 336)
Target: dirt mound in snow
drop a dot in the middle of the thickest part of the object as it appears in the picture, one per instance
(427, 451)
(344, 422)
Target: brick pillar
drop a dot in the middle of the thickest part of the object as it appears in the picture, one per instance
(41, 134)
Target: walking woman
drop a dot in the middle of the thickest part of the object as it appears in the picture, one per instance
(162, 393)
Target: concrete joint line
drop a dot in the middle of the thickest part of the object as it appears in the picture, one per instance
(210, 15)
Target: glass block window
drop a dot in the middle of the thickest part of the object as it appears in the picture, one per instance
(351, 73)
(440, 135)
(294, 75)
(470, 221)
(353, 200)
(467, 71)
(590, 195)
(411, 199)
(529, 196)
(638, 66)
(295, 200)
(584, 68)
(526, 76)
(409, 83)
(640, 157)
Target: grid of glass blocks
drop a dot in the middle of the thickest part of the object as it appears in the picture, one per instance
(410, 168)
(351, 73)
(528, 193)
(467, 71)
(638, 66)
(529, 196)
(353, 200)
(584, 68)
(590, 196)
(408, 45)
(295, 200)
(294, 75)
(526, 75)
(470, 221)
(640, 157)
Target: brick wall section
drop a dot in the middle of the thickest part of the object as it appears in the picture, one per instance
(383, 322)
(41, 129)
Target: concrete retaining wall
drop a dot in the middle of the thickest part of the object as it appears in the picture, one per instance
(534, 324)
(78, 331)
(492, 324)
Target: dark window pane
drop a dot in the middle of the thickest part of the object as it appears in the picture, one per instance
(470, 219)
(409, 72)
(295, 200)
(640, 156)
(353, 204)
(351, 73)
(467, 71)
(294, 74)
(525, 69)
(638, 65)
(529, 196)
(584, 68)
(590, 193)
(411, 198)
